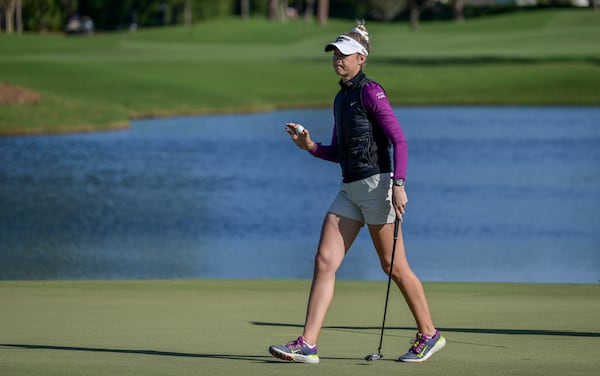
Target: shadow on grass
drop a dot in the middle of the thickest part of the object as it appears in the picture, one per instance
(252, 358)
(257, 358)
(267, 359)
(535, 332)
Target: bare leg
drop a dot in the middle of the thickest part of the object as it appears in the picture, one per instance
(337, 235)
(403, 276)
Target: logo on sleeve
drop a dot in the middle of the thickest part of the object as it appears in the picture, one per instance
(380, 95)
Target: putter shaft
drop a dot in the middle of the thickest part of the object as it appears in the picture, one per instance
(387, 294)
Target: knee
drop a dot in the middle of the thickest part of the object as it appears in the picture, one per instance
(324, 263)
(398, 273)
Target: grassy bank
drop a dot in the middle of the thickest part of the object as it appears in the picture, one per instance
(544, 57)
(224, 328)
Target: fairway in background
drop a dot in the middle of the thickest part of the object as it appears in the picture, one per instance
(540, 57)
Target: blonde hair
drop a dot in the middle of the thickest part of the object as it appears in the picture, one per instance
(361, 35)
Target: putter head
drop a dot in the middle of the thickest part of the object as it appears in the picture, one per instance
(372, 357)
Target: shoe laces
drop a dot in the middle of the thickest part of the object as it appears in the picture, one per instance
(295, 344)
(418, 343)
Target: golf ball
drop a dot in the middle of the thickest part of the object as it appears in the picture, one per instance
(299, 129)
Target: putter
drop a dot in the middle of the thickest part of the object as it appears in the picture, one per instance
(378, 355)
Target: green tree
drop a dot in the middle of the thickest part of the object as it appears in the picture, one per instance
(43, 15)
(385, 10)
(415, 7)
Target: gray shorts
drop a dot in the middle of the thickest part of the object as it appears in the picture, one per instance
(366, 201)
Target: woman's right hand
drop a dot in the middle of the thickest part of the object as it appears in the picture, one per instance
(399, 201)
(302, 140)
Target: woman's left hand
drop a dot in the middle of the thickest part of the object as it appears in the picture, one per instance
(399, 200)
(301, 139)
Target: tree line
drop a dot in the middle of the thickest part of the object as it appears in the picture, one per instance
(17, 16)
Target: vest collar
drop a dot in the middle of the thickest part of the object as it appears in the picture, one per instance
(347, 86)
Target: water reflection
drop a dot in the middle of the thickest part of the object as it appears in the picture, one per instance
(496, 194)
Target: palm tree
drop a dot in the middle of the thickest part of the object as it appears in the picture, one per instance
(9, 15)
(308, 10)
(245, 9)
(323, 12)
(19, 16)
(187, 13)
(459, 6)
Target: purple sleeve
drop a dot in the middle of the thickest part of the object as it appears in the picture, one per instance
(376, 102)
(327, 152)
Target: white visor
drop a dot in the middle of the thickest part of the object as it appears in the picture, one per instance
(347, 46)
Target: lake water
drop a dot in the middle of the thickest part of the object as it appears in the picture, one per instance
(496, 194)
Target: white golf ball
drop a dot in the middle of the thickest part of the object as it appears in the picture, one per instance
(299, 129)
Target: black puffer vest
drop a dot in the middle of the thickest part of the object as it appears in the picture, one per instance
(363, 147)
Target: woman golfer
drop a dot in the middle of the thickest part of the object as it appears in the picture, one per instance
(372, 192)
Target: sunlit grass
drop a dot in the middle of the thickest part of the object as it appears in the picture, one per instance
(224, 327)
(543, 57)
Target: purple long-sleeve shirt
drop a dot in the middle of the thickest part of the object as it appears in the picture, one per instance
(376, 103)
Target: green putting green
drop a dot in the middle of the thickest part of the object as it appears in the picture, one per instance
(224, 327)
